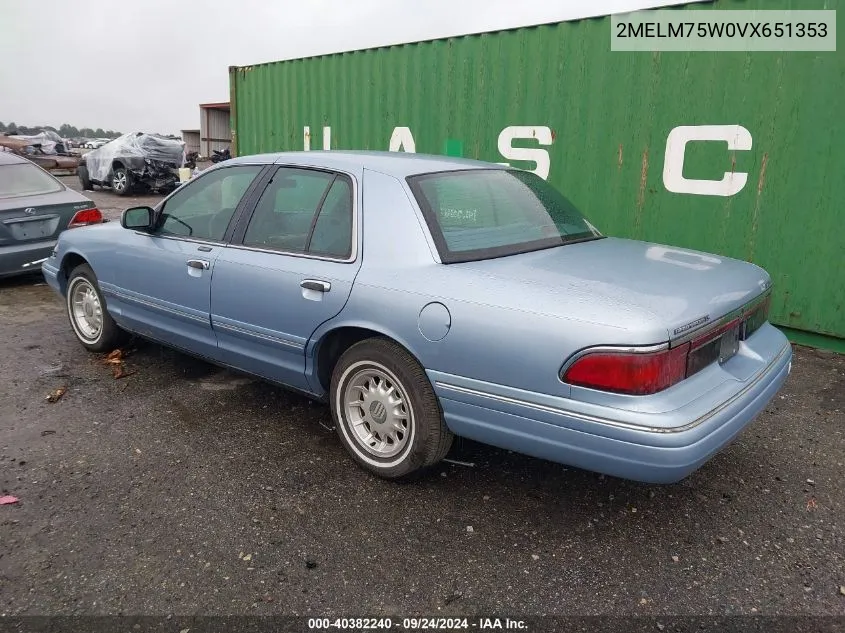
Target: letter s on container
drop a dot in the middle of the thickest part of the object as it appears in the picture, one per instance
(542, 134)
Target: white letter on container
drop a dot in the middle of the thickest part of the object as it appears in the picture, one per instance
(403, 140)
(737, 138)
(540, 157)
(306, 138)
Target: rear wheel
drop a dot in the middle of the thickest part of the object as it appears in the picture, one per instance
(385, 410)
(84, 178)
(121, 181)
(91, 322)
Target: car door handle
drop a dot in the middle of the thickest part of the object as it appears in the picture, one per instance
(315, 284)
(199, 264)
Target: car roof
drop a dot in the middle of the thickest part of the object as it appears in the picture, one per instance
(396, 164)
(8, 158)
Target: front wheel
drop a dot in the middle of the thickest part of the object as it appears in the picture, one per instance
(91, 322)
(121, 182)
(385, 410)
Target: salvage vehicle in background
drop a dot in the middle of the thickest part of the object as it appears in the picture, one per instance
(134, 162)
(48, 141)
(34, 209)
(32, 150)
(424, 297)
(54, 162)
(219, 155)
(191, 159)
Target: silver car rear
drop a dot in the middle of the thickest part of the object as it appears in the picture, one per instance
(34, 208)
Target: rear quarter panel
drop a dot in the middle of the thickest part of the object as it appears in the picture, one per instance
(487, 339)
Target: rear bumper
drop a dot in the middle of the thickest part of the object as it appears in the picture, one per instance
(156, 175)
(657, 454)
(24, 258)
(51, 275)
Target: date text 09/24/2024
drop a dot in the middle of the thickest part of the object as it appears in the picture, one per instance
(416, 624)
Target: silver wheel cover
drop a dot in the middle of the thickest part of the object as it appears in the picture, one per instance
(85, 310)
(375, 413)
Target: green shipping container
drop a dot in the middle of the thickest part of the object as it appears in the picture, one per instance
(734, 153)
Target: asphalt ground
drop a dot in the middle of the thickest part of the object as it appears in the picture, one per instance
(180, 488)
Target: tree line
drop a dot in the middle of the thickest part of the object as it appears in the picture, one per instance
(64, 130)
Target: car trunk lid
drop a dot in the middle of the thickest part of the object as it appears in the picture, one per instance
(37, 218)
(629, 284)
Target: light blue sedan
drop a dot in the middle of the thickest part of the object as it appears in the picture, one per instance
(424, 297)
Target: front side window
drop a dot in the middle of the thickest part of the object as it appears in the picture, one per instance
(304, 211)
(483, 213)
(203, 209)
(26, 179)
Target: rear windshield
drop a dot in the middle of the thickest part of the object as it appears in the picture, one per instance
(483, 213)
(25, 179)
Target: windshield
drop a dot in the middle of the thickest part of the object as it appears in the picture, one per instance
(25, 179)
(483, 213)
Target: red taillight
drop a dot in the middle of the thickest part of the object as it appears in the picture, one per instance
(756, 318)
(629, 373)
(639, 374)
(85, 217)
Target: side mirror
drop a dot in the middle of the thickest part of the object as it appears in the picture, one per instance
(137, 218)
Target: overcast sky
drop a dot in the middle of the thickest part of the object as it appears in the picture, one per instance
(134, 65)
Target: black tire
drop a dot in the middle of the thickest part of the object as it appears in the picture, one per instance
(84, 178)
(426, 439)
(109, 336)
(121, 181)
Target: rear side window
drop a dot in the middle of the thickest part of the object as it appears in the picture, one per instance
(332, 235)
(304, 211)
(25, 179)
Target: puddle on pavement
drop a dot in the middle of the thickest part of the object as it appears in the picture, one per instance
(207, 376)
(27, 299)
(223, 381)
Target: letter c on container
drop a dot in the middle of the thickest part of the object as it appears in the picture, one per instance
(737, 138)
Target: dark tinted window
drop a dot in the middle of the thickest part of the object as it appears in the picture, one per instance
(304, 211)
(477, 214)
(203, 208)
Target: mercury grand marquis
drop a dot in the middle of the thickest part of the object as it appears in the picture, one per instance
(424, 297)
